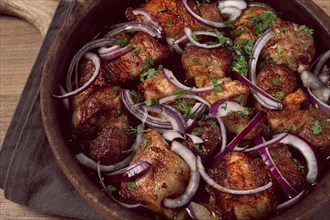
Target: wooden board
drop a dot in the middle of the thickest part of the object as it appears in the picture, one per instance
(19, 46)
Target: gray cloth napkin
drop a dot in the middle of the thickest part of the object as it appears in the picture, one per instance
(29, 173)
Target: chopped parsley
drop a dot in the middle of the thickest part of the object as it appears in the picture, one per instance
(294, 127)
(169, 21)
(131, 185)
(196, 133)
(305, 29)
(279, 95)
(240, 65)
(184, 106)
(122, 41)
(136, 51)
(217, 87)
(149, 102)
(299, 165)
(196, 146)
(147, 62)
(262, 21)
(144, 143)
(316, 128)
(161, 9)
(282, 29)
(221, 38)
(243, 113)
(244, 45)
(276, 81)
(180, 92)
(239, 98)
(149, 72)
(132, 130)
(224, 107)
(109, 189)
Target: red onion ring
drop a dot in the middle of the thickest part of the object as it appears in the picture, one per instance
(172, 79)
(194, 180)
(189, 34)
(232, 12)
(195, 139)
(291, 202)
(267, 158)
(323, 58)
(127, 173)
(113, 52)
(216, 186)
(96, 60)
(86, 161)
(224, 107)
(260, 95)
(274, 140)
(239, 4)
(171, 98)
(231, 146)
(325, 107)
(171, 135)
(223, 133)
(133, 26)
(198, 212)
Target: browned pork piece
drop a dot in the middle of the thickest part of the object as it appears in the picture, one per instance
(173, 16)
(147, 52)
(277, 80)
(289, 166)
(208, 67)
(168, 175)
(293, 46)
(235, 122)
(156, 86)
(209, 131)
(237, 171)
(99, 119)
(247, 25)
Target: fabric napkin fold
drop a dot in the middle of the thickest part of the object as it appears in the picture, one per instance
(29, 173)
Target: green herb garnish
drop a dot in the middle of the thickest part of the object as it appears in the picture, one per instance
(131, 185)
(221, 38)
(122, 41)
(278, 95)
(262, 21)
(240, 65)
(109, 189)
(305, 29)
(149, 72)
(317, 128)
(144, 143)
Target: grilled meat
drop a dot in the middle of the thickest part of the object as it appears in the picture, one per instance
(201, 64)
(156, 86)
(209, 131)
(173, 16)
(292, 46)
(235, 122)
(147, 53)
(237, 171)
(277, 79)
(168, 176)
(288, 166)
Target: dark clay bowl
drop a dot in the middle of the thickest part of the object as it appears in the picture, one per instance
(88, 19)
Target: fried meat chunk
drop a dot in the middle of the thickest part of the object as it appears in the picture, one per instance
(275, 79)
(292, 46)
(168, 175)
(173, 16)
(237, 171)
(209, 131)
(288, 166)
(147, 53)
(156, 86)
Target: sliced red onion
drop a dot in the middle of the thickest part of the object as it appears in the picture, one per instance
(99, 175)
(142, 114)
(200, 19)
(129, 206)
(224, 107)
(86, 161)
(324, 77)
(66, 102)
(260, 95)
(97, 65)
(223, 132)
(231, 146)
(194, 180)
(307, 151)
(149, 18)
(323, 58)
(171, 98)
(257, 48)
(171, 135)
(195, 139)
(310, 80)
(198, 212)
(290, 203)
(172, 79)
(239, 4)
(172, 115)
(134, 26)
(175, 44)
(127, 173)
(215, 185)
(274, 140)
(138, 139)
(323, 94)
(191, 124)
(232, 12)
(325, 107)
(189, 34)
(113, 52)
(266, 157)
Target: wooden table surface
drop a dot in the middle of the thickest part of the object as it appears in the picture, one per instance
(19, 46)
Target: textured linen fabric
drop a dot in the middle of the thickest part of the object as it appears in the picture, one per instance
(29, 173)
